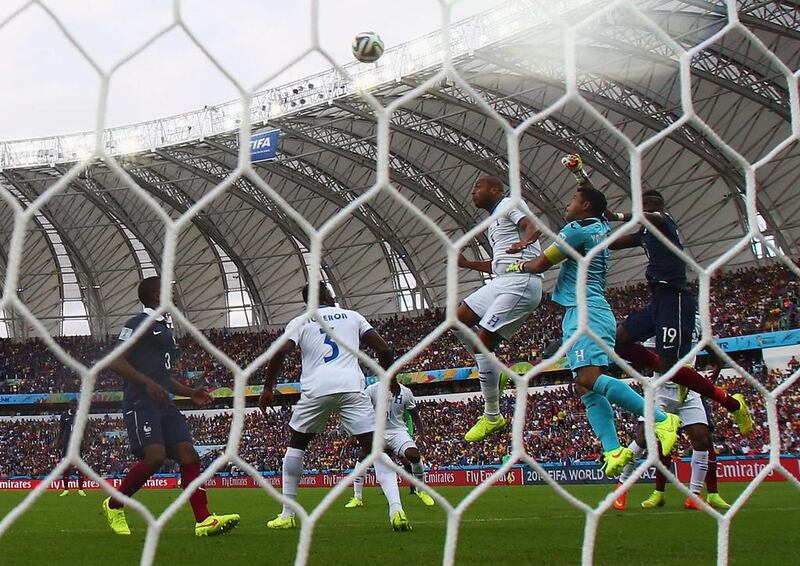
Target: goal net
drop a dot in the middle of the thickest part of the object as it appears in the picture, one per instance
(698, 99)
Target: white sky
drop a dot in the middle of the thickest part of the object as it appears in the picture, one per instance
(48, 88)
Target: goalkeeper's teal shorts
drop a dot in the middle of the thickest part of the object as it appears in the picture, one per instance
(585, 352)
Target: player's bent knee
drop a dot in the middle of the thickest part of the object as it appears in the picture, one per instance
(365, 441)
(699, 437)
(300, 440)
(154, 455)
(466, 315)
(412, 455)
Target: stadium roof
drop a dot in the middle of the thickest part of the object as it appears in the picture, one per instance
(243, 258)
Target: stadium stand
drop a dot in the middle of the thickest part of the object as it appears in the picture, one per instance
(744, 301)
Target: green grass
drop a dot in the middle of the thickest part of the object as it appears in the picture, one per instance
(508, 525)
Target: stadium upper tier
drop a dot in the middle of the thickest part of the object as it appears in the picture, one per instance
(743, 302)
(243, 258)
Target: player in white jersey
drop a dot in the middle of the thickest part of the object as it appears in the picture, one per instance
(397, 438)
(695, 416)
(331, 382)
(498, 309)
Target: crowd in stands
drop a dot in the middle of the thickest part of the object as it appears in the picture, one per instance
(742, 301)
(555, 430)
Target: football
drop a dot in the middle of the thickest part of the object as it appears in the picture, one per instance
(367, 47)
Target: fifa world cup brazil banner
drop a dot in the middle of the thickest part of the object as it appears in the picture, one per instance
(729, 469)
(264, 145)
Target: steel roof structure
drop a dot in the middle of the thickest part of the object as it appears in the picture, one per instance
(243, 259)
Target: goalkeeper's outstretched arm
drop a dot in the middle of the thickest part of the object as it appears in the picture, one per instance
(574, 164)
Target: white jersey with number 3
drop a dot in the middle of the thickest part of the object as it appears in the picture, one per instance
(395, 407)
(505, 231)
(328, 366)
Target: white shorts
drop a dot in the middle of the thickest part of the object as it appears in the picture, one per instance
(691, 410)
(505, 302)
(310, 415)
(398, 441)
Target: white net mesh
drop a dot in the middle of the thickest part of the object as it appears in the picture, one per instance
(448, 57)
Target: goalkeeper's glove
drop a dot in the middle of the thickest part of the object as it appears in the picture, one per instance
(574, 165)
(515, 267)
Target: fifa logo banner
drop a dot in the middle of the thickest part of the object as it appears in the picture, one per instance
(264, 145)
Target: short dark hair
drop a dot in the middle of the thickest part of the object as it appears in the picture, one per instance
(653, 193)
(325, 293)
(147, 286)
(493, 181)
(594, 198)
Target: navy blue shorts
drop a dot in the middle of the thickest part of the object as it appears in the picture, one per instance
(669, 318)
(148, 424)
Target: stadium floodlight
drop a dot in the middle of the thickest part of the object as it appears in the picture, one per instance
(129, 144)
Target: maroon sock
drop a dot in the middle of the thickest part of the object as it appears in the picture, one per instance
(136, 477)
(198, 499)
(639, 356)
(711, 474)
(661, 479)
(690, 378)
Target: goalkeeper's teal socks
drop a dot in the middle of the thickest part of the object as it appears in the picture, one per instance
(601, 418)
(620, 393)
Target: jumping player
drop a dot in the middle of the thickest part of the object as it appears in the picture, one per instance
(499, 308)
(156, 428)
(586, 228)
(670, 315)
(696, 417)
(331, 382)
(397, 438)
(65, 423)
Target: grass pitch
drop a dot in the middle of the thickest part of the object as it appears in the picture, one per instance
(507, 525)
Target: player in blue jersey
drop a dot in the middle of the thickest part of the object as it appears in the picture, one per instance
(670, 315)
(156, 428)
(586, 228)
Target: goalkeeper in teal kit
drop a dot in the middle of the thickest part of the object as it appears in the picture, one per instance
(585, 229)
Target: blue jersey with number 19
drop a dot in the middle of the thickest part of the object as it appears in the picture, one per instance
(328, 364)
(583, 235)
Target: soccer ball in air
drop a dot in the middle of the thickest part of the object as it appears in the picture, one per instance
(367, 47)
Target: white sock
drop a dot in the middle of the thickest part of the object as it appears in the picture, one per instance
(699, 470)
(358, 487)
(631, 466)
(490, 386)
(387, 479)
(419, 471)
(292, 472)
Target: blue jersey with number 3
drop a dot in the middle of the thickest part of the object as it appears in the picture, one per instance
(582, 236)
(154, 354)
(329, 364)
